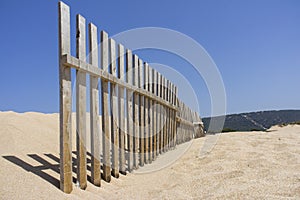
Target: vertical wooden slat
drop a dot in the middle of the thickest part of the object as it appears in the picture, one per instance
(184, 125)
(81, 104)
(154, 115)
(121, 110)
(114, 113)
(178, 127)
(181, 124)
(174, 116)
(146, 75)
(65, 101)
(94, 109)
(164, 116)
(150, 116)
(141, 115)
(105, 110)
(194, 116)
(160, 114)
(176, 104)
(136, 114)
(158, 130)
(171, 116)
(157, 114)
(129, 118)
(168, 114)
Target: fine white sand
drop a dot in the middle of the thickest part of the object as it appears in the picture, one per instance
(255, 165)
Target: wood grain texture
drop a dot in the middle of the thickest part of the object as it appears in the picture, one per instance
(136, 128)
(121, 105)
(129, 119)
(141, 115)
(146, 75)
(154, 115)
(94, 109)
(81, 104)
(150, 116)
(105, 109)
(65, 100)
(114, 111)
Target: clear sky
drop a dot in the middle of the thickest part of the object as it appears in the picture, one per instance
(255, 44)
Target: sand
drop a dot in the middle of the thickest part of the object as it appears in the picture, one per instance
(254, 165)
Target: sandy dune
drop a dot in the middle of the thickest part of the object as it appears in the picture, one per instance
(260, 165)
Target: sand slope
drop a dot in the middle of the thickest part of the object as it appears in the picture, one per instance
(242, 165)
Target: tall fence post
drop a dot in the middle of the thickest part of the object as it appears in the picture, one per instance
(147, 121)
(150, 115)
(114, 113)
(65, 101)
(81, 105)
(121, 110)
(141, 115)
(154, 89)
(136, 113)
(129, 99)
(105, 110)
(94, 109)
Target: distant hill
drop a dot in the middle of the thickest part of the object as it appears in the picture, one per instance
(256, 120)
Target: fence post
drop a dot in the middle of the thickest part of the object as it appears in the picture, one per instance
(65, 101)
(129, 96)
(105, 110)
(94, 109)
(154, 115)
(136, 113)
(169, 114)
(157, 86)
(141, 114)
(147, 122)
(165, 113)
(81, 104)
(114, 113)
(150, 116)
(161, 137)
(121, 110)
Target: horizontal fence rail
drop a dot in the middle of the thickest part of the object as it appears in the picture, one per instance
(134, 115)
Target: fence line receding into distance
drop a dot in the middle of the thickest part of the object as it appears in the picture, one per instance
(141, 114)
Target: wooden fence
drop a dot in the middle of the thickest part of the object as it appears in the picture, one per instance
(141, 114)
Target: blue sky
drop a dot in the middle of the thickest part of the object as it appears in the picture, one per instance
(255, 44)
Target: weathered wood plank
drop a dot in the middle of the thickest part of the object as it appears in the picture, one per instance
(171, 116)
(105, 110)
(146, 75)
(136, 127)
(160, 114)
(157, 90)
(164, 116)
(129, 119)
(81, 104)
(176, 112)
(121, 106)
(174, 115)
(141, 115)
(168, 115)
(114, 112)
(154, 114)
(65, 101)
(150, 115)
(94, 108)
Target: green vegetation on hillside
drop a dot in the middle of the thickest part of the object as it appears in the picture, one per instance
(256, 121)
